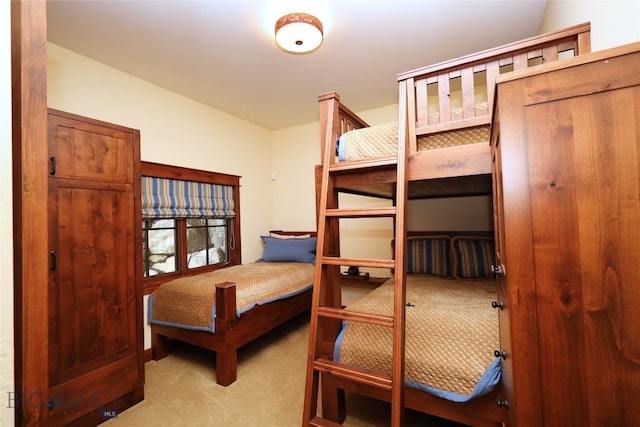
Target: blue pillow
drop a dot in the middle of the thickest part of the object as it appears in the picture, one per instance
(289, 250)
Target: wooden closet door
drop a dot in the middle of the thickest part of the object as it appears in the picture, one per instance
(85, 149)
(584, 167)
(93, 299)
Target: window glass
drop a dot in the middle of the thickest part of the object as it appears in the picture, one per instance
(218, 232)
(159, 246)
(206, 242)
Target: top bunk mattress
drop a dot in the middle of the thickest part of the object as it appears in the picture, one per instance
(382, 141)
(190, 302)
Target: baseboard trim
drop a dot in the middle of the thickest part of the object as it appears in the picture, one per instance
(148, 355)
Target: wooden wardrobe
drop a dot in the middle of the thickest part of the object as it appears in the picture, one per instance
(566, 158)
(96, 365)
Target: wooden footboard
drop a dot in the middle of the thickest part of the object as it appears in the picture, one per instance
(232, 332)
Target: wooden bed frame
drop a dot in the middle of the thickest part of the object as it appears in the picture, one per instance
(454, 171)
(231, 331)
(480, 411)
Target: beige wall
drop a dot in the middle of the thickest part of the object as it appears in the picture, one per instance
(613, 23)
(295, 152)
(6, 224)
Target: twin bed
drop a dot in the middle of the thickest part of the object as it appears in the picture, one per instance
(224, 309)
(444, 120)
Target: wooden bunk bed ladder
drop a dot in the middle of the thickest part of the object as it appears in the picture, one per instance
(327, 313)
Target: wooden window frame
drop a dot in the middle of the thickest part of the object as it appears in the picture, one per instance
(158, 170)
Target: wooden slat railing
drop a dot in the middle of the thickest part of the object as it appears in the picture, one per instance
(459, 93)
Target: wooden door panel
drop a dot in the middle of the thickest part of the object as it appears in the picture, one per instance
(94, 301)
(89, 151)
(91, 312)
(585, 209)
(558, 284)
(608, 210)
(99, 391)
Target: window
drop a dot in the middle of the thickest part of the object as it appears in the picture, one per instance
(206, 242)
(190, 222)
(159, 246)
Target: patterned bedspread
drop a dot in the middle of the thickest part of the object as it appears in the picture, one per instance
(452, 332)
(369, 142)
(382, 141)
(189, 302)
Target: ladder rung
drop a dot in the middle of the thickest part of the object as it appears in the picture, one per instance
(376, 162)
(338, 313)
(362, 212)
(359, 262)
(352, 373)
(322, 422)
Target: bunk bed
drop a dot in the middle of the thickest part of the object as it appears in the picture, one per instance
(444, 120)
(224, 309)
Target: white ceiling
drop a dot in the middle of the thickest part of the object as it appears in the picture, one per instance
(222, 53)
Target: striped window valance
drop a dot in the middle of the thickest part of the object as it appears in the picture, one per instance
(172, 198)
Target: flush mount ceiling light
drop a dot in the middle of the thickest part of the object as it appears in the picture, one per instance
(299, 32)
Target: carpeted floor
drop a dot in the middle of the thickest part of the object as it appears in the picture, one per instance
(181, 390)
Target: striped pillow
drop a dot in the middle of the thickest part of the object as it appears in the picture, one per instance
(473, 256)
(429, 255)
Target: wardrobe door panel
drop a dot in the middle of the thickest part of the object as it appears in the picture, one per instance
(91, 302)
(89, 150)
(585, 209)
(96, 365)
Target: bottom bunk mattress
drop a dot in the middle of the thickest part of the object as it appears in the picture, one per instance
(451, 336)
(189, 302)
